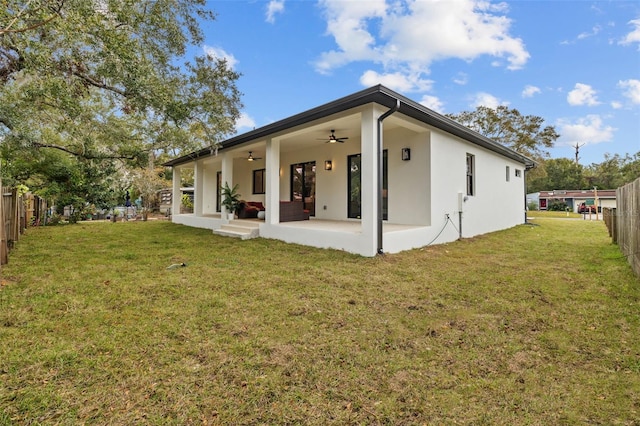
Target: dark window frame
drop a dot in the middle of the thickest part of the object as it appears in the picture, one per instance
(258, 181)
(355, 212)
(471, 174)
(219, 191)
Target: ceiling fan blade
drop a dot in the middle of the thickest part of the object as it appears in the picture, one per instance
(332, 138)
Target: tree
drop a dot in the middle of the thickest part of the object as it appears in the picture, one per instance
(606, 175)
(631, 168)
(108, 80)
(522, 133)
(614, 172)
(561, 173)
(147, 182)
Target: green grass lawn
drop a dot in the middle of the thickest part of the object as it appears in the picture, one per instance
(535, 325)
(542, 214)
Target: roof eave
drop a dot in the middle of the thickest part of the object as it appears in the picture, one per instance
(377, 94)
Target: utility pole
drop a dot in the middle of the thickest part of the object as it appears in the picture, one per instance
(595, 199)
(577, 147)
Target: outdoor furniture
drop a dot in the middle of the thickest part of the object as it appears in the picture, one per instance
(293, 210)
(250, 209)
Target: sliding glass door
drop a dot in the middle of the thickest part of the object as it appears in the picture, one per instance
(354, 186)
(219, 191)
(303, 185)
(354, 176)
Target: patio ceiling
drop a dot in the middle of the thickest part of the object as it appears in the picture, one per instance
(316, 134)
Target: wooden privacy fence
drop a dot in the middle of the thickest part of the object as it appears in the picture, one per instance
(610, 219)
(16, 213)
(626, 224)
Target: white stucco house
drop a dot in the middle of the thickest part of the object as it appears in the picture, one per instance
(374, 171)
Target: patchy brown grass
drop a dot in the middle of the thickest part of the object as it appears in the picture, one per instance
(533, 325)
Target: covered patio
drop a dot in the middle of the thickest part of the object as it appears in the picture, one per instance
(324, 233)
(346, 226)
(374, 171)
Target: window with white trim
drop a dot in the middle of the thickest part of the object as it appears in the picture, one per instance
(508, 173)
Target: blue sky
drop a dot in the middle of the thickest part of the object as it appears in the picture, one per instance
(574, 63)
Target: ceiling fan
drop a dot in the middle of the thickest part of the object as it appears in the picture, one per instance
(252, 158)
(334, 139)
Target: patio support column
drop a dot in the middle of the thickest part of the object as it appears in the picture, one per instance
(369, 179)
(176, 196)
(227, 173)
(272, 187)
(198, 193)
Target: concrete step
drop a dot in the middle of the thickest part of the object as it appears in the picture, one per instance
(245, 223)
(239, 229)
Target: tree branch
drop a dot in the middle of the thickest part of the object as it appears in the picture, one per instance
(85, 156)
(95, 83)
(32, 27)
(8, 29)
(6, 122)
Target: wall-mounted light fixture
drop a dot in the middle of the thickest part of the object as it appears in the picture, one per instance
(406, 154)
(328, 165)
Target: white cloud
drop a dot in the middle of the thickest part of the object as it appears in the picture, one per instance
(461, 79)
(530, 90)
(582, 94)
(433, 103)
(616, 105)
(631, 89)
(634, 35)
(487, 100)
(594, 31)
(589, 130)
(245, 122)
(396, 81)
(274, 7)
(219, 53)
(411, 35)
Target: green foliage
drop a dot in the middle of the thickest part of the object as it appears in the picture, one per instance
(186, 201)
(22, 190)
(55, 219)
(522, 133)
(61, 179)
(614, 172)
(630, 168)
(564, 173)
(230, 198)
(559, 173)
(146, 183)
(107, 85)
(557, 206)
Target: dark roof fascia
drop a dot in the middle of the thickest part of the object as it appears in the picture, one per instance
(352, 101)
(377, 94)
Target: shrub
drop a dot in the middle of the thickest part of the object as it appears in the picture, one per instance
(557, 206)
(187, 201)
